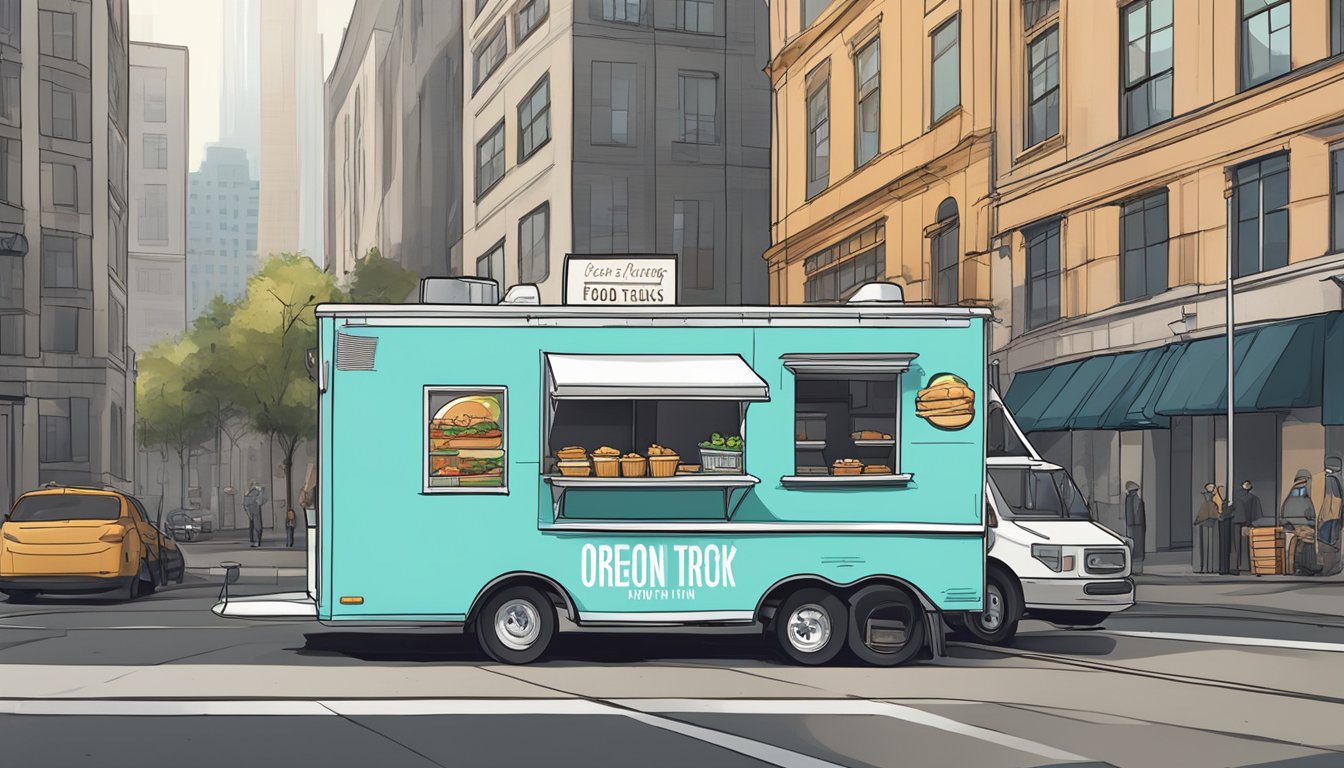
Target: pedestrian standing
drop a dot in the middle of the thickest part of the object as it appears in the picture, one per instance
(252, 502)
(1136, 525)
(1299, 523)
(1250, 513)
(1328, 517)
(1229, 536)
(290, 521)
(1206, 520)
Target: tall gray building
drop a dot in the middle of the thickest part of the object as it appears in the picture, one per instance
(66, 370)
(222, 200)
(240, 79)
(638, 126)
(394, 135)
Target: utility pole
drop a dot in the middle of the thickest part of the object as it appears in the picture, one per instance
(1231, 358)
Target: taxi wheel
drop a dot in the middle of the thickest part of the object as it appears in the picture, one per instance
(148, 582)
(810, 626)
(886, 626)
(516, 625)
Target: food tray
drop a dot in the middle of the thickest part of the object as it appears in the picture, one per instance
(606, 466)
(634, 467)
(846, 470)
(720, 461)
(664, 466)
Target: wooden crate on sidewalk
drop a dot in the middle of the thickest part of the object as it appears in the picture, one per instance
(1267, 550)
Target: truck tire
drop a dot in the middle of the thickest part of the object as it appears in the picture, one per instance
(997, 624)
(886, 627)
(810, 626)
(516, 625)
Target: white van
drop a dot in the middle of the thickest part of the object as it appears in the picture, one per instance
(1047, 558)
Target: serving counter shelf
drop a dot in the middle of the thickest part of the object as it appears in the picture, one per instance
(727, 483)
(873, 443)
(845, 481)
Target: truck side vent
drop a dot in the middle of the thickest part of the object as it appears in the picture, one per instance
(355, 353)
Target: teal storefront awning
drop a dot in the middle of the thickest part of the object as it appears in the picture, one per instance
(1279, 366)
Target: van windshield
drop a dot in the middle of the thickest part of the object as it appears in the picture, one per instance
(66, 506)
(1043, 493)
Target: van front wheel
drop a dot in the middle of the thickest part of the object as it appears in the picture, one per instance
(516, 625)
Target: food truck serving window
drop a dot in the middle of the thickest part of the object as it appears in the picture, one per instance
(465, 443)
(847, 417)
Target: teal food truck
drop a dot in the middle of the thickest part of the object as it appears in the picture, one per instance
(815, 471)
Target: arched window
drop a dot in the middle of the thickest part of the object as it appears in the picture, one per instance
(946, 254)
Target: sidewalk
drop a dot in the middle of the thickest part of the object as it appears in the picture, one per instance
(1176, 568)
(265, 564)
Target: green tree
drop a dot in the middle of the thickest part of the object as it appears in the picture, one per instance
(170, 417)
(379, 280)
(207, 374)
(261, 361)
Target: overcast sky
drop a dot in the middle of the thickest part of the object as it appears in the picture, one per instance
(198, 25)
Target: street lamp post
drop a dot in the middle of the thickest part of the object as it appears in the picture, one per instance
(1231, 359)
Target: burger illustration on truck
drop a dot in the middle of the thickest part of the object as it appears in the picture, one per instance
(466, 441)
(947, 402)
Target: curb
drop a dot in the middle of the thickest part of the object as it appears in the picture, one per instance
(249, 573)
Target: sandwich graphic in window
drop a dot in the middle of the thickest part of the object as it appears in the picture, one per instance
(466, 440)
(947, 402)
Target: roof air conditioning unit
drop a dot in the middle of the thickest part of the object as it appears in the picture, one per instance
(878, 293)
(522, 294)
(459, 290)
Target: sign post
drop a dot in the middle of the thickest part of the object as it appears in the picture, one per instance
(617, 280)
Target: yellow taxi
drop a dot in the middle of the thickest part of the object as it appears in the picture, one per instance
(75, 540)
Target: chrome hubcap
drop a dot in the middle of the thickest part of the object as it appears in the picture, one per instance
(809, 628)
(992, 617)
(517, 624)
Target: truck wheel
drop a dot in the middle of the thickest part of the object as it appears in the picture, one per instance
(1072, 618)
(811, 626)
(997, 624)
(516, 625)
(886, 626)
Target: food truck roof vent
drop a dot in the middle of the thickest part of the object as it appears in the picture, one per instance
(878, 293)
(522, 294)
(459, 290)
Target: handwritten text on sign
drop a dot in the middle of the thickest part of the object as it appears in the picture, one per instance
(637, 280)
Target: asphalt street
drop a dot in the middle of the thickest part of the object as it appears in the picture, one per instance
(1253, 678)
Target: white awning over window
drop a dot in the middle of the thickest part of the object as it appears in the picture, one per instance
(654, 377)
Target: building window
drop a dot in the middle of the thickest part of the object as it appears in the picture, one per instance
(1337, 200)
(11, 282)
(693, 242)
(695, 15)
(64, 186)
(946, 253)
(613, 85)
(624, 11)
(811, 9)
(11, 22)
(11, 333)
(699, 108)
(1043, 86)
(62, 112)
(60, 267)
(534, 245)
(116, 329)
(1043, 272)
(946, 84)
(609, 216)
(534, 119)
(465, 440)
(1147, 28)
(1266, 40)
(153, 223)
(488, 57)
(491, 264)
(818, 133)
(155, 151)
(835, 273)
(1143, 240)
(117, 441)
(11, 171)
(60, 329)
(58, 34)
(1336, 26)
(528, 17)
(1260, 205)
(154, 80)
(1036, 11)
(490, 160)
(868, 75)
(64, 427)
(10, 91)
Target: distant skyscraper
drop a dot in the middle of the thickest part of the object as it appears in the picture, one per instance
(291, 129)
(221, 228)
(240, 79)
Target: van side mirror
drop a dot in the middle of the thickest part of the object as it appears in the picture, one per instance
(310, 362)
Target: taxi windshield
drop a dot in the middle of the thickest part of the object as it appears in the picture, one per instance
(66, 506)
(1042, 493)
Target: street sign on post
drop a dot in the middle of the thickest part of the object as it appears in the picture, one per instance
(616, 280)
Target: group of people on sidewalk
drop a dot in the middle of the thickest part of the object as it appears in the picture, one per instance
(1310, 517)
(253, 502)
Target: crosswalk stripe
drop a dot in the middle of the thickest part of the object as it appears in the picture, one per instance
(1256, 642)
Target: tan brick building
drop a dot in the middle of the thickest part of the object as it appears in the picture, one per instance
(1122, 138)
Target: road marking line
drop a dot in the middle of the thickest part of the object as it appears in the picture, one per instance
(119, 627)
(155, 708)
(1257, 642)
(383, 707)
(849, 707)
(766, 753)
